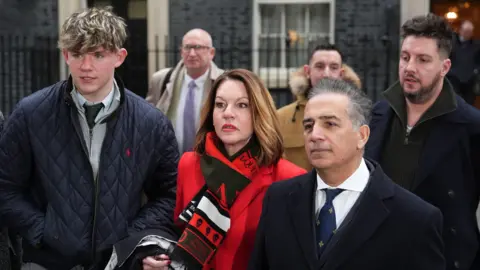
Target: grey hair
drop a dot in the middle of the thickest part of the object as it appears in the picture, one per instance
(360, 107)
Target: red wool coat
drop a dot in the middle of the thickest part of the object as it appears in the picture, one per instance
(234, 252)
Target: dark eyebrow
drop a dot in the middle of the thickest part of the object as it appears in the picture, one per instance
(425, 55)
(307, 120)
(323, 117)
(240, 98)
(97, 51)
(420, 55)
(329, 117)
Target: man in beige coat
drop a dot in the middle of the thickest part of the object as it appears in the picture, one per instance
(325, 61)
(179, 92)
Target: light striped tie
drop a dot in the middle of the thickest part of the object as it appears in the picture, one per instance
(189, 130)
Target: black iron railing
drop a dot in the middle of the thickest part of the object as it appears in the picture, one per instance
(31, 63)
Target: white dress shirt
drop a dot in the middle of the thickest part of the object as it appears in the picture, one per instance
(107, 101)
(199, 90)
(343, 203)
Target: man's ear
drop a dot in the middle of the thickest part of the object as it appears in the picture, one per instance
(446, 65)
(212, 53)
(363, 135)
(65, 55)
(121, 55)
(306, 71)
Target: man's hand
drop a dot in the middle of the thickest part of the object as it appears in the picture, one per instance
(159, 262)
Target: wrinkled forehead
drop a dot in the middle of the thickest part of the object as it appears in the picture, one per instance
(326, 57)
(196, 38)
(327, 104)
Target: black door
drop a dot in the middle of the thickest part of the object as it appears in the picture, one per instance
(134, 71)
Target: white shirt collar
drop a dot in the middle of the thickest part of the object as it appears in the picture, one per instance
(107, 101)
(200, 81)
(356, 182)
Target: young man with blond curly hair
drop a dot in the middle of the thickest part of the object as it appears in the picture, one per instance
(76, 157)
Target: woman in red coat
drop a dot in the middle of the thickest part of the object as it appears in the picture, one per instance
(221, 185)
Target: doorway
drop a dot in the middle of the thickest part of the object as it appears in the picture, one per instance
(134, 71)
(456, 12)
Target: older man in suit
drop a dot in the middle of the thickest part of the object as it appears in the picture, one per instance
(346, 213)
(179, 92)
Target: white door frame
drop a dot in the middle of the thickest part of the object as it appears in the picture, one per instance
(412, 8)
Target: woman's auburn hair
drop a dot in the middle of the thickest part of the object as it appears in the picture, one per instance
(264, 116)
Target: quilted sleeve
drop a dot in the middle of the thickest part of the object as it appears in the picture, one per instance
(17, 210)
(160, 187)
(2, 119)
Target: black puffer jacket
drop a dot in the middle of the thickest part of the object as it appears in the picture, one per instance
(47, 189)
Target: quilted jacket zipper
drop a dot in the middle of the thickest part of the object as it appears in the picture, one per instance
(95, 199)
(96, 194)
(68, 87)
(96, 182)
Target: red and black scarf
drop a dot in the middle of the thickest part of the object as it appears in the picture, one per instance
(208, 215)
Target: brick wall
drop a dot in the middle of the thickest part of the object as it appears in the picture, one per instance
(24, 26)
(360, 31)
(359, 28)
(229, 22)
(28, 17)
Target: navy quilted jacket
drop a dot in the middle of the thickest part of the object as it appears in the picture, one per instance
(2, 119)
(47, 190)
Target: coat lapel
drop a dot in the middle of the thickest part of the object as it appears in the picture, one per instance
(300, 205)
(206, 88)
(379, 127)
(370, 213)
(165, 100)
(175, 88)
(441, 140)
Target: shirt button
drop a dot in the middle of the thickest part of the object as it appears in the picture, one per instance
(457, 264)
(453, 231)
(451, 193)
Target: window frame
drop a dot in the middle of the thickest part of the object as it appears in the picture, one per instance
(277, 77)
